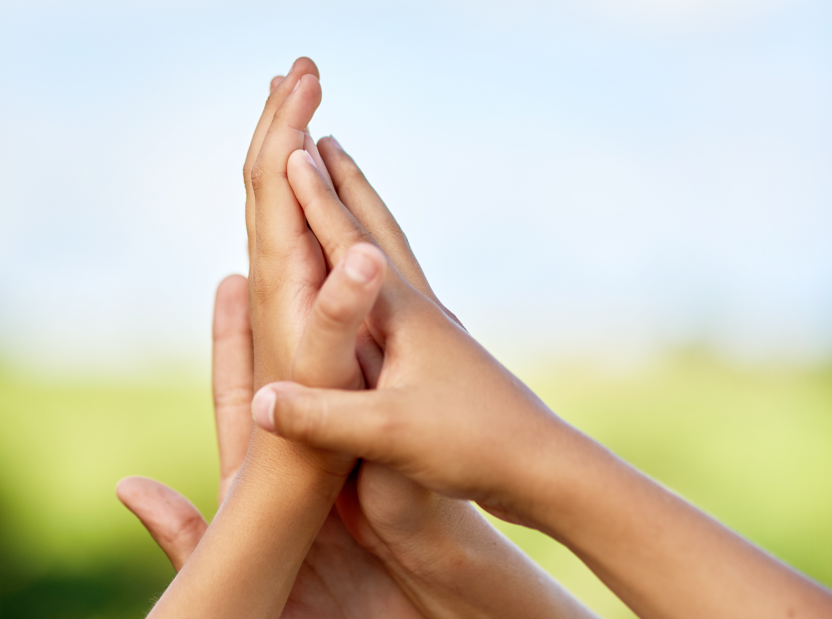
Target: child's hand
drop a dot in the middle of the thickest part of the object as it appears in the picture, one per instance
(338, 576)
(431, 545)
(449, 416)
(406, 526)
(441, 550)
(443, 554)
(444, 412)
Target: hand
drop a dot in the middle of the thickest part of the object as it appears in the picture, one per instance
(450, 417)
(338, 578)
(437, 413)
(287, 269)
(440, 550)
(429, 544)
(251, 555)
(282, 496)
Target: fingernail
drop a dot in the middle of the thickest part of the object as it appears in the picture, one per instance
(262, 409)
(297, 85)
(359, 267)
(309, 159)
(337, 143)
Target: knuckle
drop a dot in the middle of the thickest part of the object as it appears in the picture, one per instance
(388, 228)
(356, 234)
(247, 166)
(264, 169)
(335, 310)
(256, 174)
(262, 287)
(232, 397)
(189, 529)
(265, 284)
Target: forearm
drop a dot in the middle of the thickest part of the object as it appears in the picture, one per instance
(662, 556)
(452, 562)
(247, 561)
(499, 580)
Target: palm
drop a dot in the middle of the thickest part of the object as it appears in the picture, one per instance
(300, 277)
(339, 579)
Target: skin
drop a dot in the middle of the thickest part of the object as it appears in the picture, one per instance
(450, 417)
(267, 534)
(338, 578)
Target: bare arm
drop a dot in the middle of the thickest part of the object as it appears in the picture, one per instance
(448, 415)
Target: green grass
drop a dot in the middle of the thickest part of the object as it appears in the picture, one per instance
(752, 446)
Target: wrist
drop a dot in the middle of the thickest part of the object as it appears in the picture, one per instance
(494, 576)
(274, 462)
(577, 490)
(550, 477)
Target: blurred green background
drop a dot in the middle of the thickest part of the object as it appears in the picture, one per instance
(750, 445)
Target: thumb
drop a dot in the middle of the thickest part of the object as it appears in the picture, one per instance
(171, 519)
(360, 423)
(326, 355)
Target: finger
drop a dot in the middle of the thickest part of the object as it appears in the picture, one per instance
(326, 356)
(359, 197)
(301, 67)
(310, 147)
(275, 81)
(356, 193)
(358, 423)
(175, 524)
(370, 356)
(334, 226)
(337, 230)
(279, 220)
(233, 376)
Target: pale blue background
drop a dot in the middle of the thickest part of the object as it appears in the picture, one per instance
(580, 179)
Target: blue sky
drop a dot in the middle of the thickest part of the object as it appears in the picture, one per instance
(580, 179)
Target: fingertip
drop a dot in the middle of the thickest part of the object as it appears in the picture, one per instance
(302, 159)
(275, 82)
(329, 142)
(232, 286)
(272, 398)
(231, 306)
(262, 408)
(136, 492)
(364, 263)
(307, 66)
(308, 86)
(125, 487)
(172, 520)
